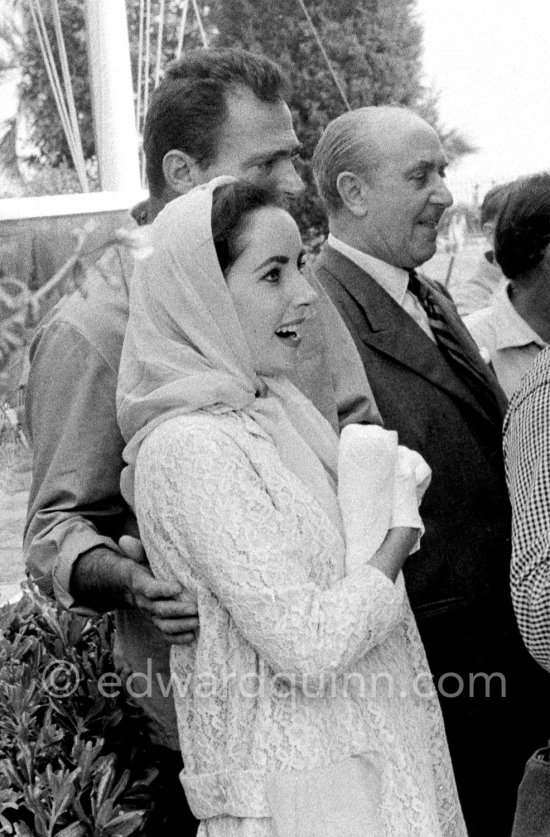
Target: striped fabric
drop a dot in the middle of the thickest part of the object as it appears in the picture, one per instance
(445, 337)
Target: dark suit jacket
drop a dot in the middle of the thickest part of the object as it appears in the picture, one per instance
(466, 548)
(458, 582)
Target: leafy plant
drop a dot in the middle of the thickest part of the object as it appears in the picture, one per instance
(75, 759)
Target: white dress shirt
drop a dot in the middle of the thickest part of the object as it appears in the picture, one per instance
(511, 343)
(394, 280)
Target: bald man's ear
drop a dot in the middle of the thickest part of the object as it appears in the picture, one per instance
(181, 172)
(353, 193)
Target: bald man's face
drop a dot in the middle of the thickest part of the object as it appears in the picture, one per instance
(407, 194)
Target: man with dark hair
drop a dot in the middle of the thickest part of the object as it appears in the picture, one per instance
(526, 444)
(516, 325)
(199, 96)
(380, 171)
(209, 116)
(232, 102)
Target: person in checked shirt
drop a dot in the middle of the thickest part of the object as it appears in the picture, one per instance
(527, 459)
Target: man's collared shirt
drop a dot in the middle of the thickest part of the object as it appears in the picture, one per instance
(511, 343)
(527, 459)
(394, 280)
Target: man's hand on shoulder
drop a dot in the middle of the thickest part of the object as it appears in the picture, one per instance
(170, 608)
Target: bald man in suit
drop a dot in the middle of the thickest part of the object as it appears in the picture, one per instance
(380, 172)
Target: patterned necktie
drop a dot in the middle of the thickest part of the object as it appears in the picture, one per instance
(448, 343)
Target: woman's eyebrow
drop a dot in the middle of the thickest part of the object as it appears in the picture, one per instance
(278, 259)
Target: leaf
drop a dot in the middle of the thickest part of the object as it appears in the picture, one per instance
(81, 813)
(79, 278)
(22, 830)
(5, 826)
(13, 293)
(82, 759)
(124, 824)
(75, 829)
(62, 790)
(121, 785)
(103, 785)
(9, 799)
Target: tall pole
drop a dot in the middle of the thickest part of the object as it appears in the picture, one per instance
(112, 95)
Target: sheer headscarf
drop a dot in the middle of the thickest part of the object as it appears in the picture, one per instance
(185, 350)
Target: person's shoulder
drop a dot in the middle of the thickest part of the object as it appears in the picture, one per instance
(98, 316)
(327, 260)
(200, 449)
(200, 433)
(529, 406)
(104, 303)
(537, 378)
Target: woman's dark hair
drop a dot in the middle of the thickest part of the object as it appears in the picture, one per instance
(231, 203)
(523, 229)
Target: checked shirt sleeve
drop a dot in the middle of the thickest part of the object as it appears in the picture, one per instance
(527, 457)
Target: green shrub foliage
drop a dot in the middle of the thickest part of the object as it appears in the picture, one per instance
(73, 761)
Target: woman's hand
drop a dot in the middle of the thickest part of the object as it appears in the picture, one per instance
(394, 551)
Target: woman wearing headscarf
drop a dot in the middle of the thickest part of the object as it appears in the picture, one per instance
(304, 705)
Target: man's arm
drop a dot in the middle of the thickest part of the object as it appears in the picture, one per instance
(527, 459)
(104, 580)
(76, 514)
(74, 504)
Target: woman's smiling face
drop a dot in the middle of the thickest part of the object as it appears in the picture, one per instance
(270, 294)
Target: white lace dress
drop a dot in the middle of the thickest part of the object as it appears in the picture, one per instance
(295, 667)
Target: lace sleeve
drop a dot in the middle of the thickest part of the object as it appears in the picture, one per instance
(207, 518)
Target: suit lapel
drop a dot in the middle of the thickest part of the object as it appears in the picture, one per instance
(382, 324)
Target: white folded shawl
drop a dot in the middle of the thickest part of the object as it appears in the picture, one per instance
(380, 486)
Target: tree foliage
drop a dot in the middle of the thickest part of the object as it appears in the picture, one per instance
(374, 48)
(45, 129)
(38, 104)
(170, 26)
(11, 46)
